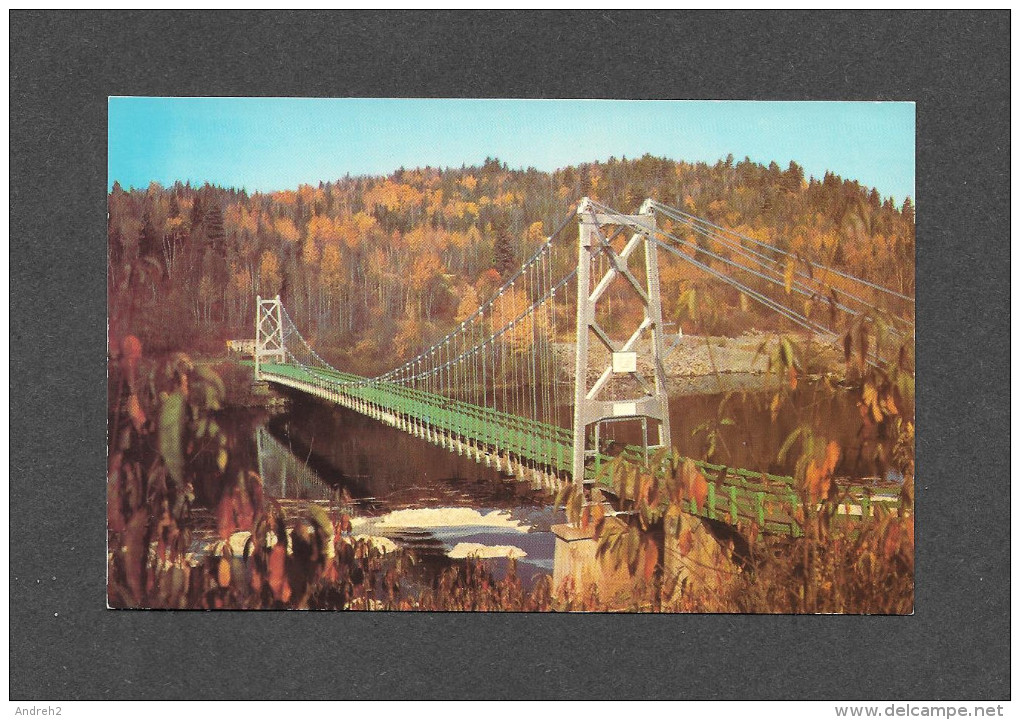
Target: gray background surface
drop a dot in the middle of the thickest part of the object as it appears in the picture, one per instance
(66, 645)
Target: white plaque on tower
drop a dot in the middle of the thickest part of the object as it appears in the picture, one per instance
(624, 362)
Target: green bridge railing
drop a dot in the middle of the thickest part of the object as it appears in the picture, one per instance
(735, 495)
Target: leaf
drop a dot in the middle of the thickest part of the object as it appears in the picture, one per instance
(216, 391)
(762, 348)
(223, 573)
(832, 452)
(659, 457)
(628, 482)
(171, 434)
(321, 518)
(889, 405)
(694, 483)
(596, 516)
(277, 571)
(869, 394)
(212, 401)
(701, 428)
(786, 352)
(752, 534)
(633, 548)
(586, 521)
(699, 490)
(788, 443)
(134, 410)
(344, 524)
(651, 558)
(813, 479)
(862, 341)
(131, 348)
(645, 488)
(672, 521)
(774, 406)
(574, 507)
(891, 545)
(686, 541)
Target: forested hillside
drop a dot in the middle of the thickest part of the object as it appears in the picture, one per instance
(383, 264)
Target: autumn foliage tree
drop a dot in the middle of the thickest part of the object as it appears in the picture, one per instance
(352, 257)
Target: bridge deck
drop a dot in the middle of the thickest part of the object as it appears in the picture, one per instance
(735, 495)
(527, 440)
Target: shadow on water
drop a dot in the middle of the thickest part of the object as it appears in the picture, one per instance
(382, 466)
(406, 492)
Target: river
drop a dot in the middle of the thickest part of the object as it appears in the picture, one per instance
(442, 506)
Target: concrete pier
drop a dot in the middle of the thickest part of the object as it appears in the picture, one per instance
(576, 563)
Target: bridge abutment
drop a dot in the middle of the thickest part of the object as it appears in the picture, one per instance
(578, 569)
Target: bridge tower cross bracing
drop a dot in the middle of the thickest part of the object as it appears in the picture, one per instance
(268, 332)
(590, 406)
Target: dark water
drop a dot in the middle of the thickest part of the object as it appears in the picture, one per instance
(407, 492)
(738, 408)
(443, 506)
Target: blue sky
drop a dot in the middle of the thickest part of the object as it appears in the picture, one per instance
(269, 144)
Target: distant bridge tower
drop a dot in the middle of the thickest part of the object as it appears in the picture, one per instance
(268, 332)
(622, 391)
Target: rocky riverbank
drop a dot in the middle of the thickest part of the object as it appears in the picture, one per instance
(699, 356)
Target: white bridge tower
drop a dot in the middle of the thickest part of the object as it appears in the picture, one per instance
(268, 333)
(622, 392)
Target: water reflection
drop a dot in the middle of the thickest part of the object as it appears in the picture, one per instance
(284, 474)
(407, 492)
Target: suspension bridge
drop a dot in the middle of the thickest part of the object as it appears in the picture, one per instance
(495, 388)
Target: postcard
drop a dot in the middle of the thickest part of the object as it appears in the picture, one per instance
(511, 355)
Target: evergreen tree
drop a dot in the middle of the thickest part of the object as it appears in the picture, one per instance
(794, 177)
(216, 238)
(584, 181)
(197, 215)
(504, 256)
(908, 210)
(214, 232)
(149, 241)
